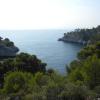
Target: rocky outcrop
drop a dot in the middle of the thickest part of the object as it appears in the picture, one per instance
(72, 39)
(7, 51)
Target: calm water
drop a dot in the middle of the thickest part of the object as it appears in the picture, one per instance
(44, 44)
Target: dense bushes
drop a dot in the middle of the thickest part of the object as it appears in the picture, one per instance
(86, 70)
(89, 51)
(15, 82)
(22, 62)
(41, 87)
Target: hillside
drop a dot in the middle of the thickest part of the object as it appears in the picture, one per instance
(82, 36)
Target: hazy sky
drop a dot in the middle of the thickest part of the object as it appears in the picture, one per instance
(49, 14)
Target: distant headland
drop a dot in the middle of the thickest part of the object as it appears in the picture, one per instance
(82, 36)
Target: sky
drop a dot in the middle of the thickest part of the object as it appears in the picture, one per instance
(49, 14)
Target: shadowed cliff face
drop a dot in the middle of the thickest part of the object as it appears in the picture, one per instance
(7, 48)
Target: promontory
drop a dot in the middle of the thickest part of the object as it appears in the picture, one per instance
(7, 48)
(82, 36)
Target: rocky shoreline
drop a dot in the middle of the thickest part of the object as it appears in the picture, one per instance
(82, 36)
(73, 41)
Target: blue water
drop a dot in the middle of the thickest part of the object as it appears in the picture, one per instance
(44, 44)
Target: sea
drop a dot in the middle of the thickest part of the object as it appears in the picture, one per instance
(45, 45)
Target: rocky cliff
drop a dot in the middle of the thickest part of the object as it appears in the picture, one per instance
(73, 39)
(82, 36)
(7, 48)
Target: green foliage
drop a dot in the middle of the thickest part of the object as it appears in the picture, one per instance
(15, 82)
(76, 75)
(87, 73)
(90, 51)
(74, 92)
(56, 87)
(86, 69)
(73, 65)
(41, 87)
(91, 68)
(29, 63)
(22, 62)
